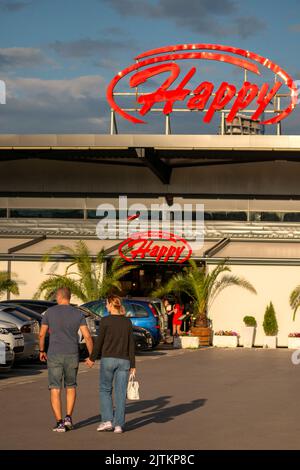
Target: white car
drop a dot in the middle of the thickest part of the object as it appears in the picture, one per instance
(10, 334)
(7, 356)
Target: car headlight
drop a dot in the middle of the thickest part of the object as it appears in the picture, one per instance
(4, 331)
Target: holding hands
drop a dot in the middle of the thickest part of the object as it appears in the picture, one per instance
(89, 363)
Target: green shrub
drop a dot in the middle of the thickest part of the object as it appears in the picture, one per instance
(270, 324)
(249, 321)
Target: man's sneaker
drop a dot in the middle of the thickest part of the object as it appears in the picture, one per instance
(60, 427)
(68, 423)
(106, 426)
(118, 430)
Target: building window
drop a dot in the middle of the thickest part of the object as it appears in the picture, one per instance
(291, 217)
(3, 213)
(265, 217)
(225, 216)
(47, 213)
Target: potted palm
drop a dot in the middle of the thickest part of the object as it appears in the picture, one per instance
(270, 327)
(89, 281)
(249, 331)
(203, 287)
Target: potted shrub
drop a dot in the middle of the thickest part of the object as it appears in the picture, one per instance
(249, 331)
(202, 287)
(270, 327)
(294, 341)
(225, 339)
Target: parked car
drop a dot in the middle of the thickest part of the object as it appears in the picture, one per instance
(142, 338)
(92, 321)
(10, 334)
(6, 356)
(141, 313)
(30, 329)
(39, 306)
(159, 307)
(25, 310)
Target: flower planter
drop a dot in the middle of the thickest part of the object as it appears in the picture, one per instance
(225, 341)
(248, 336)
(186, 342)
(270, 342)
(203, 333)
(294, 343)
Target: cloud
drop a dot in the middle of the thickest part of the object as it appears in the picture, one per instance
(13, 6)
(16, 57)
(248, 26)
(55, 106)
(134, 8)
(205, 16)
(87, 47)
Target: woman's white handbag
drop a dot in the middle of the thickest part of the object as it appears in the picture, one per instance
(133, 389)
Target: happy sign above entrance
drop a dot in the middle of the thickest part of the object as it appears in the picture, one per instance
(204, 97)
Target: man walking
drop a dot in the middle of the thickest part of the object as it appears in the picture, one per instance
(63, 322)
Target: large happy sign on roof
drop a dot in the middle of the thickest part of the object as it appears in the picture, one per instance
(205, 97)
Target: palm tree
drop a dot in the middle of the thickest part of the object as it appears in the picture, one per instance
(295, 300)
(7, 284)
(91, 282)
(202, 287)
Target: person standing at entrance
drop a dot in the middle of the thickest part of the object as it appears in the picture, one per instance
(178, 312)
(170, 313)
(116, 347)
(63, 322)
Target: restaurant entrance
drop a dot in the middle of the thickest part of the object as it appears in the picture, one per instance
(147, 276)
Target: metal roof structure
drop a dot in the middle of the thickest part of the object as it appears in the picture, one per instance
(160, 153)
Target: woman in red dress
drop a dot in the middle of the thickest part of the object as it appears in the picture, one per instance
(178, 312)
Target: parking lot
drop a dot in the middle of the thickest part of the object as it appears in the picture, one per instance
(190, 399)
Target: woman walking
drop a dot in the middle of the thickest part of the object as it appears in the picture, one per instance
(116, 347)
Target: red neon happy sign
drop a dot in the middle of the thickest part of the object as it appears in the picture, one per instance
(163, 61)
(142, 245)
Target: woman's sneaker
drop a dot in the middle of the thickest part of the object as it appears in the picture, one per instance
(106, 426)
(60, 427)
(118, 430)
(68, 423)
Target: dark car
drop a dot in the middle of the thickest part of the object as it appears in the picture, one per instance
(26, 311)
(141, 313)
(39, 306)
(143, 339)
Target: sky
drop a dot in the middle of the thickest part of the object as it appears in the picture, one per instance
(58, 57)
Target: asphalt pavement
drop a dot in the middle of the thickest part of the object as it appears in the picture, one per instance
(190, 399)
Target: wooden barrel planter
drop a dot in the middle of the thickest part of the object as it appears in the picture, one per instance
(204, 334)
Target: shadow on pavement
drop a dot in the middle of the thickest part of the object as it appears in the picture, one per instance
(150, 353)
(21, 369)
(157, 404)
(164, 415)
(159, 412)
(86, 422)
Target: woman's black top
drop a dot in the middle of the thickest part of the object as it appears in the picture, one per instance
(115, 339)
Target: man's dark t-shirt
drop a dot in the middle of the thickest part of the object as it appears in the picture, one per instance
(63, 322)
